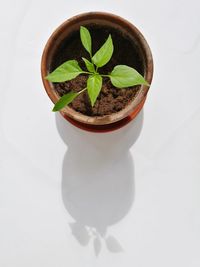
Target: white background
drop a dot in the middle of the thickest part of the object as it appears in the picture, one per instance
(77, 199)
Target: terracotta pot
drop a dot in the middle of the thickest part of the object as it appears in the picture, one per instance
(106, 122)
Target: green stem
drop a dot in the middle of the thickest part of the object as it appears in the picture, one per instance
(104, 75)
(85, 72)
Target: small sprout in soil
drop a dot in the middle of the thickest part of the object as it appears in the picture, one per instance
(121, 76)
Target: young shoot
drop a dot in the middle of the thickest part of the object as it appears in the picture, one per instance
(121, 76)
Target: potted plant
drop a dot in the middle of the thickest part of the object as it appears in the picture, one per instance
(97, 69)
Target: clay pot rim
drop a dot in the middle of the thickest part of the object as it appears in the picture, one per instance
(114, 117)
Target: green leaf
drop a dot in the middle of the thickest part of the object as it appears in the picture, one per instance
(65, 72)
(104, 54)
(125, 76)
(94, 84)
(86, 39)
(89, 65)
(65, 100)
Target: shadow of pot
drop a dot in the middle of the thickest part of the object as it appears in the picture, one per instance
(98, 187)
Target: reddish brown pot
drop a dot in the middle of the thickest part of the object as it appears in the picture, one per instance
(115, 120)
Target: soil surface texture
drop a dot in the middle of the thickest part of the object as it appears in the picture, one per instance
(111, 99)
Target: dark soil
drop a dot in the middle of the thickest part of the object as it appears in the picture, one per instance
(111, 99)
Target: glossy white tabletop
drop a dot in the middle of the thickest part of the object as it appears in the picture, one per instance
(77, 199)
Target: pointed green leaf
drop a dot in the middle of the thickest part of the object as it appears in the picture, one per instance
(104, 54)
(89, 65)
(86, 39)
(65, 100)
(125, 76)
(65, 72)
(94, 84)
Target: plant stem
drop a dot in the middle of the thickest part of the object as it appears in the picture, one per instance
(82, 90)
(85, 72)
(104, 75)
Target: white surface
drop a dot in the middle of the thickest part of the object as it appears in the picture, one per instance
(64, 201)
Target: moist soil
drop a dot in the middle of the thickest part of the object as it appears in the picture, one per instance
(110, 99)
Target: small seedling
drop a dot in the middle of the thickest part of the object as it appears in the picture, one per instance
(121, 76)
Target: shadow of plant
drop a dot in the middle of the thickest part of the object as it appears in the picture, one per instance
(84, 234)
(98, 181)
